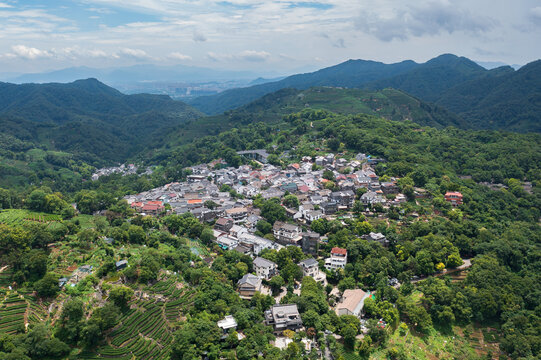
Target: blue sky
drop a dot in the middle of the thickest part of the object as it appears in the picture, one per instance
(262, 35)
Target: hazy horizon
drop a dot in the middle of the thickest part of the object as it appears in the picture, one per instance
(283, 37)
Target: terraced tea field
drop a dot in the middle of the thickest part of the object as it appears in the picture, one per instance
(146, 329)
(17, 310)
(22, 217)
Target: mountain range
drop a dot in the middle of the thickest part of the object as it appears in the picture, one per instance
(137, 73)
(88, 117)
(444, 80)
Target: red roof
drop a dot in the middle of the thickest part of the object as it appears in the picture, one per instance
(296, 166)
(304, 188)
(152, 207)
(195, 201)
(155, 202)
(339, 251)
(136, 204)
(453, 193)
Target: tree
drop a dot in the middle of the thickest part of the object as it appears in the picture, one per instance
(71, 321)
(321, 226)
(207, 236)
(333, 144)
(349, 333)
(120, 296)
(37, 200)
(291, 201)
(276, 284)
(273, 159)
(264, 227)
(454, 260)
(47, 286)
(365, 347)
(136, 234)
(347, 283)
(328, 175)
(273, 211)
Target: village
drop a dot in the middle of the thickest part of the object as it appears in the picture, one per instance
(224, 196)
(124, 170)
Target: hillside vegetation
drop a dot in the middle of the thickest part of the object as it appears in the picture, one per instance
(501, 98)
(166, 303)
(87, 118)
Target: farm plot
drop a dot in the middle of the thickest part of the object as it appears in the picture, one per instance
(21, 217)
(146, 330)
(16, 310)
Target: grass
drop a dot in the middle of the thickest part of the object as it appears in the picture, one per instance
(432, 346)
(197, 248)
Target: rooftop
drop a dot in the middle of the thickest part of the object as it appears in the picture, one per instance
(352, 300)
(339, 251)
(262, 262)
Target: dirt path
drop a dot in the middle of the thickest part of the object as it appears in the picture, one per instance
(466, 265)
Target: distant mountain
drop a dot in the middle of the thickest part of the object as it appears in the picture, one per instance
(136, 73)
(506, 99)
(429, 80)
(352, 73)
(500, 98)
(88, 117)
(489, 65)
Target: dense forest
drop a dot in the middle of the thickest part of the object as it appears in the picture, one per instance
(167, 302)
(500, 98)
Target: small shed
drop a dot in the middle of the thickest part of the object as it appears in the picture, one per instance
(121, 264)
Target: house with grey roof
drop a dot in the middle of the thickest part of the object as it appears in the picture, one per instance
(283, 317)
(264, 268)
(371, 197)
(248, 285)
(286, 234)
(121, 264)
(376, 237)
(310, 267)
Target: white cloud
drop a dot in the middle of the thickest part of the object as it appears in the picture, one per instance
(76, 52)
(246, 55)
(212, 56)
(29, 53)
(4, 5)
(133, 53)
(179, 56)
(252, 55)
(285, 34)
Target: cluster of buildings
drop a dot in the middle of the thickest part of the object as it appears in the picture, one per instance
(130, 169)
(224, 196)
(201, 195)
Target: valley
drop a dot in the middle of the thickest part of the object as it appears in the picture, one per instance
(363, 211)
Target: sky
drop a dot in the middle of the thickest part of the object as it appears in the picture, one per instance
(256, 35)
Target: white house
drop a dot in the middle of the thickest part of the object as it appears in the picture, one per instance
(264, 268)
(338, 259)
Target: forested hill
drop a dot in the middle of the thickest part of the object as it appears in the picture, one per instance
(506, 100)
(430, 78)
(388, 103)
(88, 118)
(352, 73)
(82, 99)
(500, 98)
